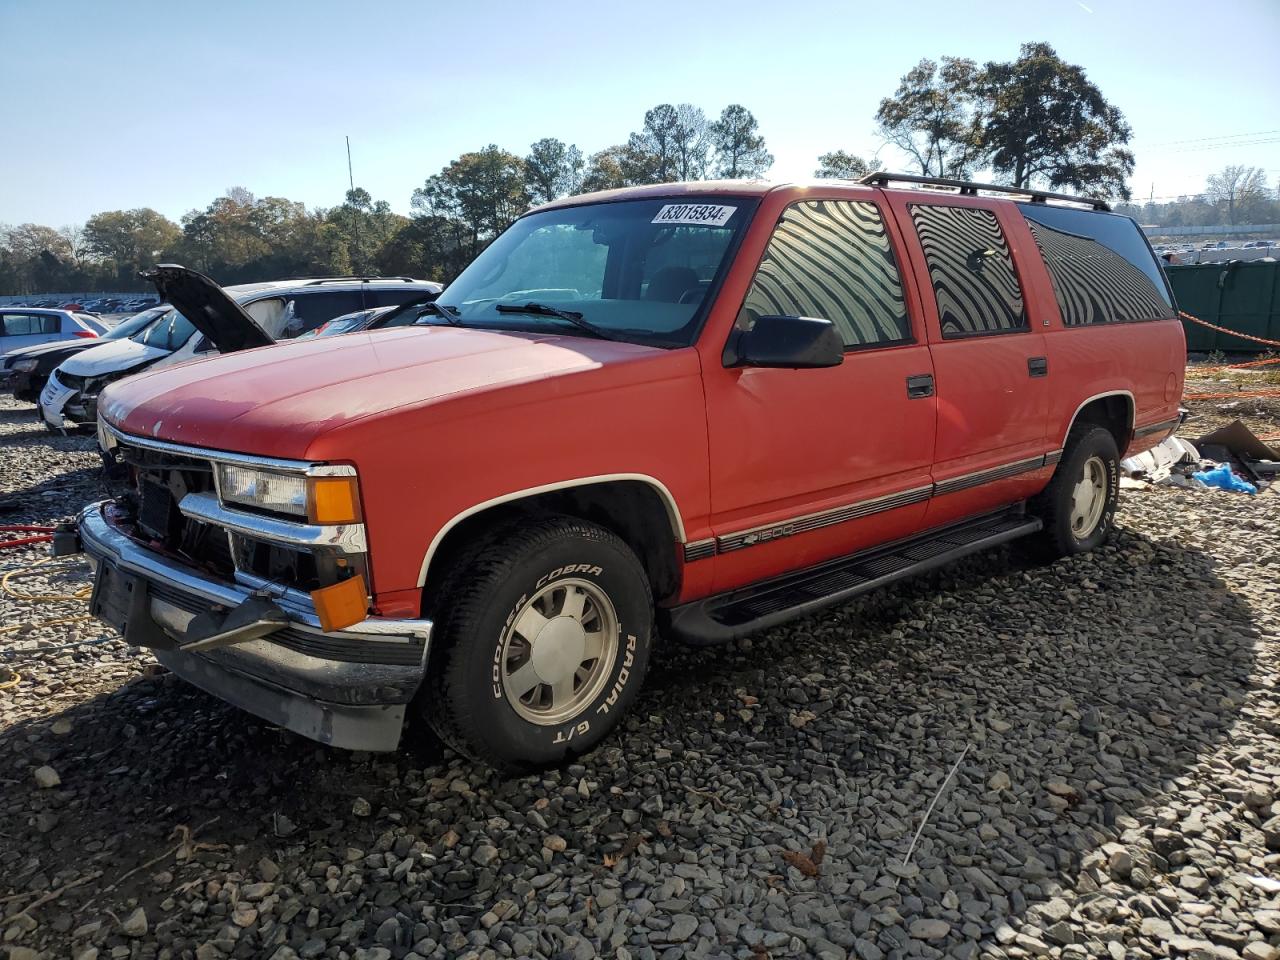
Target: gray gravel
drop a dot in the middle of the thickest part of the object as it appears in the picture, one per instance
(1117, 790)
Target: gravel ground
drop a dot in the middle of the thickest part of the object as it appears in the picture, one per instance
(998, 760)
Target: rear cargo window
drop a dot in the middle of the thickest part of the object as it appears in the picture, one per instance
(971, 270)
(1102, 269)
(832, 259)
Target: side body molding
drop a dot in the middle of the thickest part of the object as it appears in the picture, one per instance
(673, 510)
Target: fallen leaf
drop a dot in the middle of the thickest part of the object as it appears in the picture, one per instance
(631, 845)
(802, 863)
(819, 852)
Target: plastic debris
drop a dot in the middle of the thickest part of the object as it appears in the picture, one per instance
(1222, 478)
(1157, 463)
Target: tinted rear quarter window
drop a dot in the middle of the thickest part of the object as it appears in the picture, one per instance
(391, 296)
(971, 270)
(832, 259)
(312, 309)
(1101, 267)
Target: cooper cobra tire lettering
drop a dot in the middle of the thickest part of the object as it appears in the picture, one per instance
(497, 648)
(570, 570)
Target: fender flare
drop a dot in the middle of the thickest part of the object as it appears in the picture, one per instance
(1127, 394)
(664, 494)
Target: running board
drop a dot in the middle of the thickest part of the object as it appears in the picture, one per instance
(728, 616)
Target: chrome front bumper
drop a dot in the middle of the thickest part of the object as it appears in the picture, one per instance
(347, 688)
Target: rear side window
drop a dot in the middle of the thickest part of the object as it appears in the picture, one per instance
(26, 324)
(971, 271)
(1102, 268)
(832, 259)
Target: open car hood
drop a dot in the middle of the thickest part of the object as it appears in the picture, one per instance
(208, 307)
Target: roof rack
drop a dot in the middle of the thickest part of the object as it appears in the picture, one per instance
(319, 280)
(968, 189)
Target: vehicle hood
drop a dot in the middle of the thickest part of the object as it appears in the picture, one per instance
(276, 402)
(42, 350)
(208, 307)
(114, 356)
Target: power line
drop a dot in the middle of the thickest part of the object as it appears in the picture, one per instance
(1226, 136)
(1223, 146)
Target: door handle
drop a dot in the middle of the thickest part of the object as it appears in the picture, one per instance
(919, 385)
(1037, 366)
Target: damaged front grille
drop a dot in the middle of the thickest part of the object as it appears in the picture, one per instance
(155, 483)
(150, 485)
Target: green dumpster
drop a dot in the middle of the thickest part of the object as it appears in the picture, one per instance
(1243, 296)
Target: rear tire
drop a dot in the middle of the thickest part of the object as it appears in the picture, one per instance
(1079, 504)
(542, 640)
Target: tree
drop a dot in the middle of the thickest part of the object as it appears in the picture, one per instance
(130, 239)
(692, 142)
(1239, 189)
(1041, 119)
(839, 165)
(552, 170)
(364, 227)
(739, 147)
(471, 201)
(930, 117)
(622, 165)
(38, 257)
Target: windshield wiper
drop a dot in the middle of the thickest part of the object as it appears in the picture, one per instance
(571, 316)
(441, 310)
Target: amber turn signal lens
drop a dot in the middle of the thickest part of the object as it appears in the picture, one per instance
(333, 500)
(342, 604)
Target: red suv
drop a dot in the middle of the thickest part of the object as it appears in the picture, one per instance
(703, 408)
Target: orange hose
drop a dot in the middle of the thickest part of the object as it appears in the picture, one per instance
(1235, 333)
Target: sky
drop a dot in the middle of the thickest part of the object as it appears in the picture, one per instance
(165, 105)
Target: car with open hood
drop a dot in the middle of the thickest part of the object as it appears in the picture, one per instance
(207, 320)
(24, 372)
(704, 408)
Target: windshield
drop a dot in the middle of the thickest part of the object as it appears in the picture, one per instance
(640, 270)
(135, 323)
(169, 332)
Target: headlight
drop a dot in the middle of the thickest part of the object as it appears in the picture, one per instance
(316, 499)
(26, 366)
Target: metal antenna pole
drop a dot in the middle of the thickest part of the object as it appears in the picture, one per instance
(355, 213)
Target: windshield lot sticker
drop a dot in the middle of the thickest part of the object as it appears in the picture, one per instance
(705, 214)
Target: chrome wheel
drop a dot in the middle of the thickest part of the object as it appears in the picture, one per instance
(1089, 498)
(558, 652)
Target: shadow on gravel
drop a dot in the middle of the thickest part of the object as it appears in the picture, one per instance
(1103, 678)
(62, 495)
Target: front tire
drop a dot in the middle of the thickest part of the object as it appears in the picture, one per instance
(542, 640)
(1079, 504)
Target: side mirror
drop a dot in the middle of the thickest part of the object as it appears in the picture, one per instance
(786, 342)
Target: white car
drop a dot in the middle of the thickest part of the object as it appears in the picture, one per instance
(28, 327)
(228, 319)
